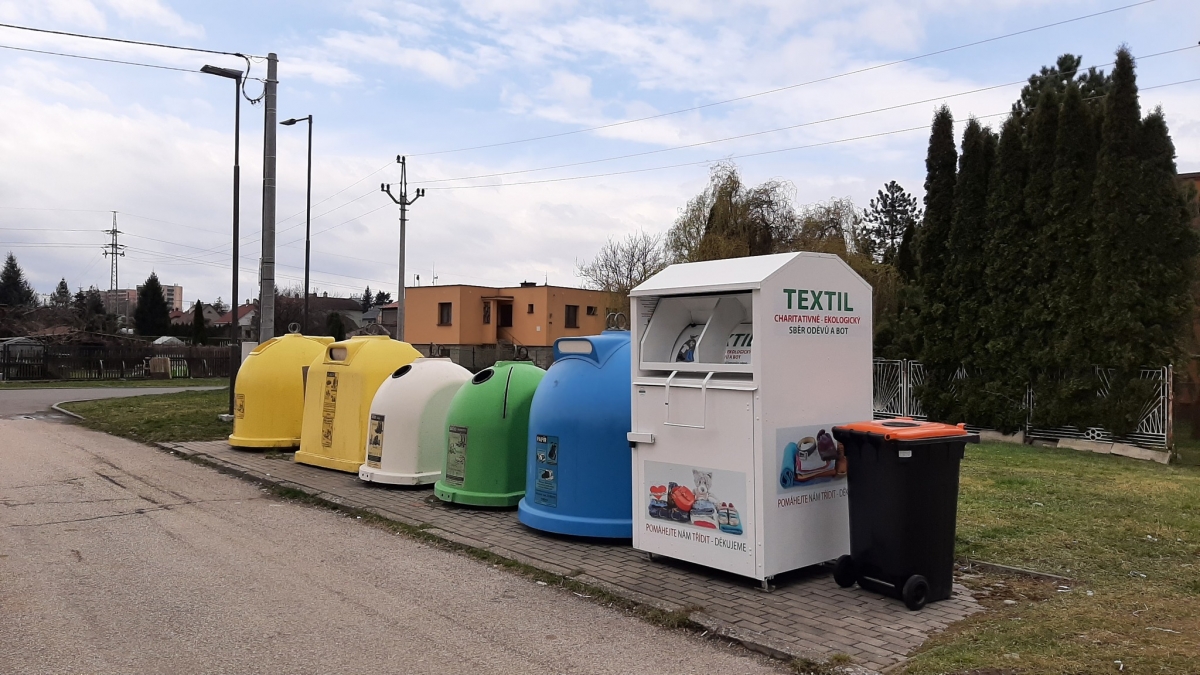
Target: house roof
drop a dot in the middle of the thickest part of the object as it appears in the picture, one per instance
(321, 303)
(242, 311)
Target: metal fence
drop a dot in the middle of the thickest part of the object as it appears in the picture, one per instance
(82, 362)
(896, 382)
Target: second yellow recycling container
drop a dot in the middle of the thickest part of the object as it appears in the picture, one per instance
(269, 393)
(341, 383)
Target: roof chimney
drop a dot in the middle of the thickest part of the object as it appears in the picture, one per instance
(528, 284)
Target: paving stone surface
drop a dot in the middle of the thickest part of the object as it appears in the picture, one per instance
(806, 615)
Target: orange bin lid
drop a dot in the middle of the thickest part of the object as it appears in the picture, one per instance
(908, 429)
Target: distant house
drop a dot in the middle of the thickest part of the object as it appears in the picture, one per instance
(348, 308)
(1194, 180)
(527, 315)
(184, 317)
(246, 314)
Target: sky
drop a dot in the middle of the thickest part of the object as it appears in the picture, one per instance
(582, 108)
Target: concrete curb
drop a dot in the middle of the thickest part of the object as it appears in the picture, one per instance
(750, 640)
(57, 407)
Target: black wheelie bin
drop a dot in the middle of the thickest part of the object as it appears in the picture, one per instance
(902, 477)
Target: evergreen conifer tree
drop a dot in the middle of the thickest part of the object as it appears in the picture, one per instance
(890, 215)
(1010, 246)
(151, 317)
(965, 290)
(366, 299)
(1141, 247)
(335, 327)
(936, 322)
(15, 290)
(199, 329)
(1060, 315)
(62, 295)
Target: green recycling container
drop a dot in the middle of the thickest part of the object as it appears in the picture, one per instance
(487, 432)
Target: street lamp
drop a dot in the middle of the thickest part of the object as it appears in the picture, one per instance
(307, 210)
(234, 350)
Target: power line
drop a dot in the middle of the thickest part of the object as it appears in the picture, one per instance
(786, 128)
(756, 154)
(788, 87)
(130, 42)
(97, 58)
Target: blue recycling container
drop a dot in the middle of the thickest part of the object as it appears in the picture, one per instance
(578, 475)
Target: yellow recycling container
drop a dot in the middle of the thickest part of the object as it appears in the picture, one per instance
(337, 403)
(269, 393)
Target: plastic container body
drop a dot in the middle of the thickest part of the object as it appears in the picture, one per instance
(342, 380)
(577, 470)
(903, 492)
(486, 433)
(406, 432)
(269, 393)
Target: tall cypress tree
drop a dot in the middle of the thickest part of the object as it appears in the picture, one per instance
(1130, 325)
(1167, 241)
(1062, 342)
(936, 321)
(965, 290)
(1009, 252)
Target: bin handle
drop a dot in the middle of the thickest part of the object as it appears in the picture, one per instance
(703, 403)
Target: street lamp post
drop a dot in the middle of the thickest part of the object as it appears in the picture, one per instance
(234, 349)
(307, 210)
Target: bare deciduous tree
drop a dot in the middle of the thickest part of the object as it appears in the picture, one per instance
(622, 264)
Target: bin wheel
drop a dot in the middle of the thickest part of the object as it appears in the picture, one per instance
(843, 572)
(915, 592)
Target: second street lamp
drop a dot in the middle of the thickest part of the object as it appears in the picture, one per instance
(307, 210)
(234, 350)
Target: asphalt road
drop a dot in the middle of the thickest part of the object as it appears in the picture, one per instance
(118, 558)
(15, 402)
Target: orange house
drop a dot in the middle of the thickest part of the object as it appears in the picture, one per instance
(527, 315)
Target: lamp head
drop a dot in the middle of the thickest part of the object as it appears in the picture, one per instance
(222, 72)
(288, 123)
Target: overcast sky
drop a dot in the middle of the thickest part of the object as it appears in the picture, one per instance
(79, 139)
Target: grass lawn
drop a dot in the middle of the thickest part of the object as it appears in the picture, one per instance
(89, 384)
(1126, 531)
(183, 416)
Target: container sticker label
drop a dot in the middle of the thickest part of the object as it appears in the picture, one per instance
(811, 465)
(545, 489)
(239, 406)
(456, 456)
(684, 350)
(375, 440)
(737, 347)
(329, 408)
(804, 312)
(696, 504)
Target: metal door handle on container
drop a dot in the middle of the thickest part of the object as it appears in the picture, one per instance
(703, 403)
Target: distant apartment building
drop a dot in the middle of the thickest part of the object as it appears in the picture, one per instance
(121, 302)
(124, 300)
(527, 315)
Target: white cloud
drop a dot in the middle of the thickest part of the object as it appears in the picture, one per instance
(156, 13)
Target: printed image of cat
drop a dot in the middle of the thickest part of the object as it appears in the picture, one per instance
(703, 480)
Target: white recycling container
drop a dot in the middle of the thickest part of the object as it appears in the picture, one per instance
(740, 370)
(406, 431)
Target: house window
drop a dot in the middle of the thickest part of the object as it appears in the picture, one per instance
(572, 316)
(591, 311)
(445, 313)
(530, 309)
(487, 312)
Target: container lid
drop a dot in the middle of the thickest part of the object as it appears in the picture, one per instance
(908, 429)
